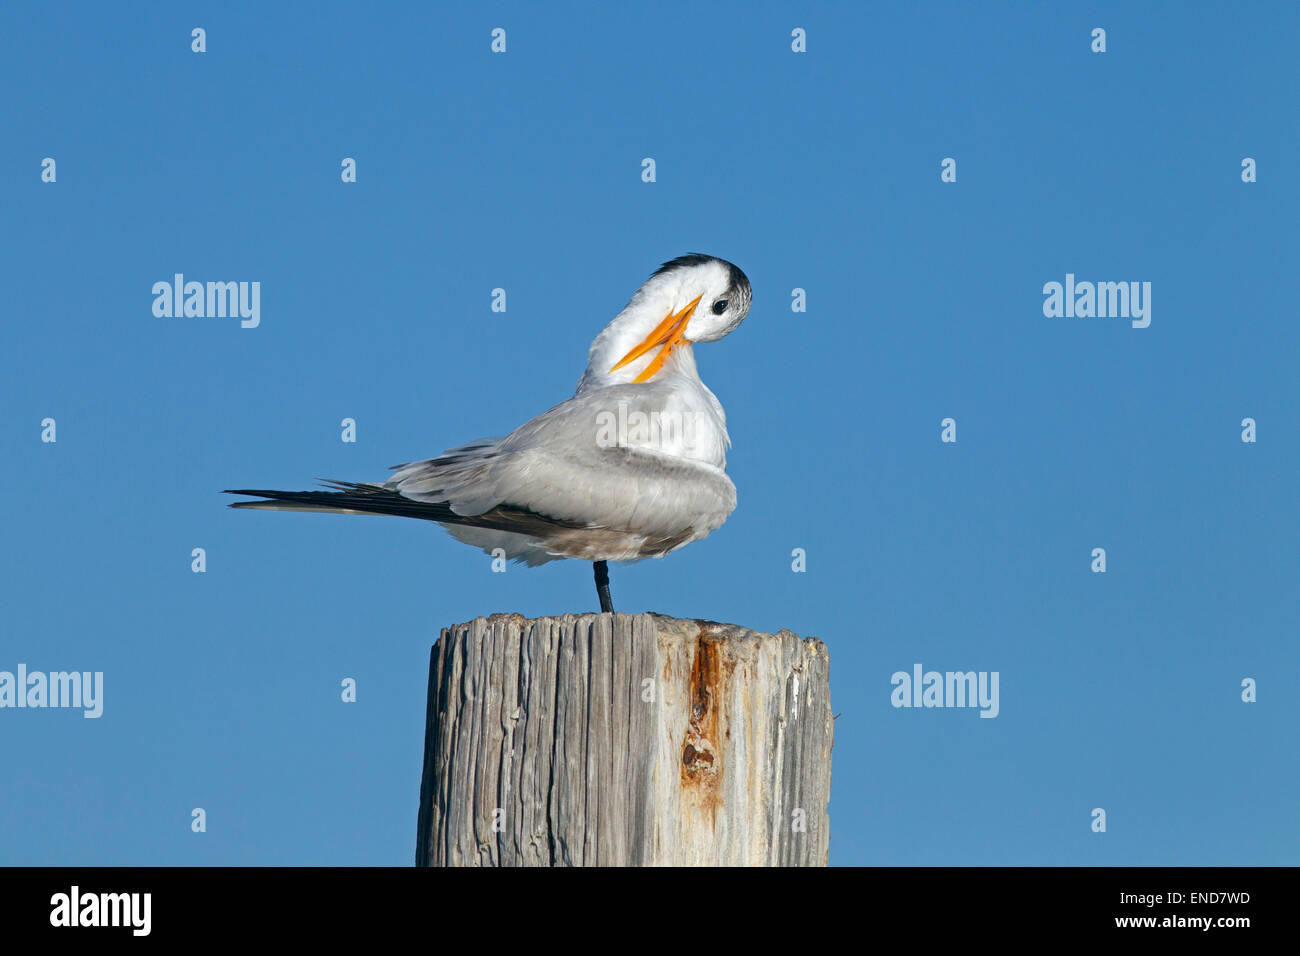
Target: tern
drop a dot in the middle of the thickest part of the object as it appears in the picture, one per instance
(632, 466)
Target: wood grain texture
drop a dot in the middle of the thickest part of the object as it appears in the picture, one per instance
(625, 739)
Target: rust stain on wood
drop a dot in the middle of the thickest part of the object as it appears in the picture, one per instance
(701, 767)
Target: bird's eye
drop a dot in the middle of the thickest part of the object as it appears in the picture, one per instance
(720, 306)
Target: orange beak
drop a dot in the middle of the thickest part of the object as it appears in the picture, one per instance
(667, 333)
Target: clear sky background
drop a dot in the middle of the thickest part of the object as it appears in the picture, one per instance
(819, 171)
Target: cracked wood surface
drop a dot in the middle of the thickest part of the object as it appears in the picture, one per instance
(625, 739)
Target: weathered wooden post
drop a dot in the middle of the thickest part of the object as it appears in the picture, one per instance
(624, 739)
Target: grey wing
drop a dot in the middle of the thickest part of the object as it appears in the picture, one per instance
(555, 465)
(459, 476)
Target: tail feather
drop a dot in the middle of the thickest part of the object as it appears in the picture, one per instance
(351, 498)
(362, 498)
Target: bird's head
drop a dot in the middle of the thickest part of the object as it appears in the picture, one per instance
(694, 298)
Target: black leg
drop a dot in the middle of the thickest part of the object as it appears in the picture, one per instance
(602, 587)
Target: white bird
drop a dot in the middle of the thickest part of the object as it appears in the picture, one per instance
(633, 466)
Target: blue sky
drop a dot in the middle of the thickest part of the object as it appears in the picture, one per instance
(522, 170)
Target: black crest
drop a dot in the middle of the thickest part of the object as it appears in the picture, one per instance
(739, 281)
